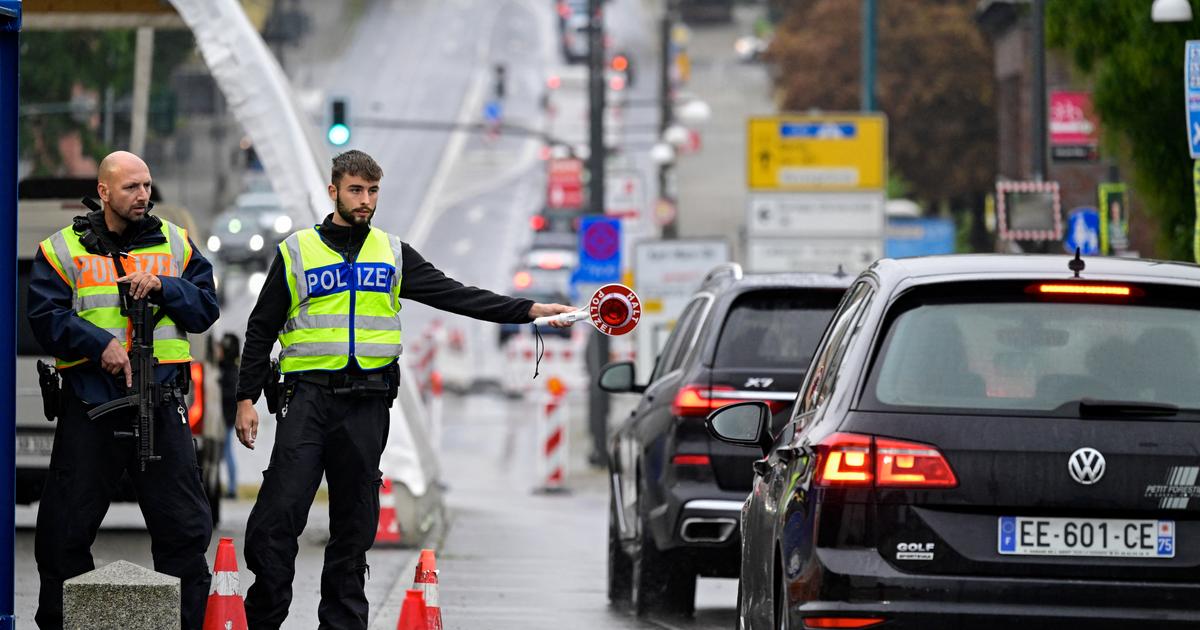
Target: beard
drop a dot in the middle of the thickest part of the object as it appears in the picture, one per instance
(134, 213)
(347, 213)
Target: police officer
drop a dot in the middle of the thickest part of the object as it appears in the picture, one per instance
(332, 299)
(74, 312)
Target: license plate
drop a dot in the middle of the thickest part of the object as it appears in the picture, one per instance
(1097, 537)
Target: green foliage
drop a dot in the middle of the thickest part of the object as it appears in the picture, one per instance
(54, 64)
(1136, 67)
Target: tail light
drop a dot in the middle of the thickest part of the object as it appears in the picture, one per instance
(841, 622)
(852, 459)
(690, 460)
(537, 222)
(698, 400)
(196, 409)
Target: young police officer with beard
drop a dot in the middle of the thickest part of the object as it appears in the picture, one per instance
(332, 299)
(74, 311)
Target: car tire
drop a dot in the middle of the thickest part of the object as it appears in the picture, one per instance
(780, 600)
(661, 582)
(620, 568)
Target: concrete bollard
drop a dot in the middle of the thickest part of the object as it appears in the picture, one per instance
(121, 596)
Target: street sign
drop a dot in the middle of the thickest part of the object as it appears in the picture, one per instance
(916, 236)
(1191, 84)
(624, 194)
(816, 214)
(564, 183)
(668, 273)
(1028, 211)
(823, 255)
(615, 309)
(817, 153)
(1083, 231)
(599, 250)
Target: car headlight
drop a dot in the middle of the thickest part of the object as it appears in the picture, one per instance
(214, 243)
(283, 224)
(256, 281)
(256, 242)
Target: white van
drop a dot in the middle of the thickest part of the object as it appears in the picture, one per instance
(45, 206)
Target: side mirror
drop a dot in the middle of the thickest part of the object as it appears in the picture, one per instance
(618, 378)
(743, 424)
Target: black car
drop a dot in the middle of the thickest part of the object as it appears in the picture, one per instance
(675, 492)
(985, 442)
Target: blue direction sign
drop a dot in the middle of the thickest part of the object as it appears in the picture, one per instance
(1083, 231)
(1191, 85)
(599, 250)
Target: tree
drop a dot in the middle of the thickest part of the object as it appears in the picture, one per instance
(934, 82)
(1136, 69)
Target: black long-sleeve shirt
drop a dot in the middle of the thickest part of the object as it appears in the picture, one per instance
(419, 281)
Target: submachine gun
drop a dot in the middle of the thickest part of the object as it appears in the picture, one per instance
(146, 393)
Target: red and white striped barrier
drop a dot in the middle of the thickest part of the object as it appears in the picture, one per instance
(553, 436)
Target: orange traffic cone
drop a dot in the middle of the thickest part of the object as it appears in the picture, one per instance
(226, 610)
(388, 532)
(427, 581)
(412, 613)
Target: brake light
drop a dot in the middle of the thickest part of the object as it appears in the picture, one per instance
(522, 280)
(852, 459)
(537, 222)
(196, 409)
(846, 460)
(841, 622)
(1086, 289)
(911, 465)
(698, 400)
(690, 460)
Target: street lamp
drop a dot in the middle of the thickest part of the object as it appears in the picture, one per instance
(1171, 11)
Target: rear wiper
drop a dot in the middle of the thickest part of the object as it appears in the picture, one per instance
(1092, 408)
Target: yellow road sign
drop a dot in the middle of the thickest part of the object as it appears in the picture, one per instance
(817, 153)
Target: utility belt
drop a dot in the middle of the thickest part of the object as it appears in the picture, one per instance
(384, 383)
(53, 396)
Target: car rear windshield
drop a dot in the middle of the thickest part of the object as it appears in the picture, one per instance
(775, 329)
(1015, 350)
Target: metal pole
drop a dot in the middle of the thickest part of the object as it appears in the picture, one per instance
(10, 34)
(666, 111)
(1038, 90)
(868, 56)
(596, 105)
(143, 59)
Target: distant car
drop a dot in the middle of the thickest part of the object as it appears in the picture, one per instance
(574, 37)
(250, 230)
(675, 492)
(984, 442)
(547, 286)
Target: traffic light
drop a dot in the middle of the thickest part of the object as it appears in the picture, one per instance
(339, 130)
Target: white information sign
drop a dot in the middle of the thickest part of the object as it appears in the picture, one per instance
(816, 214)
(666, 274)
(819, 255)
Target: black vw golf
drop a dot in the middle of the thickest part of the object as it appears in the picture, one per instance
(985, 441)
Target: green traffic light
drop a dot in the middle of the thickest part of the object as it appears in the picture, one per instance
(338, 134)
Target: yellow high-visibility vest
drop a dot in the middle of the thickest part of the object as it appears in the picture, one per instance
(93, 282)
(341, 309)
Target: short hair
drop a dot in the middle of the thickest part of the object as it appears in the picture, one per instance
(357, 163)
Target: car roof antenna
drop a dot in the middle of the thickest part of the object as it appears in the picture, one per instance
(1076, 263)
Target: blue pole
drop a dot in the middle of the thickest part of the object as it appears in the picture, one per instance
(10, 34)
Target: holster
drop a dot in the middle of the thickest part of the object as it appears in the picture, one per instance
(51, 385)
(272, 389)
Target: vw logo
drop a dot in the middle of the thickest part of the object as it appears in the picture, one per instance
(1086, 466)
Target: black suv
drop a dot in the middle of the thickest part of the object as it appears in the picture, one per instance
(675, 493)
